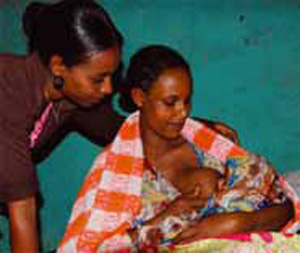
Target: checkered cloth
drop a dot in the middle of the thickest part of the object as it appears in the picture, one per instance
(110, 197)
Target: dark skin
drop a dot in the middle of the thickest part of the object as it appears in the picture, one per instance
(23, 213)
(195, 185)
(165, 148)
(85, 84)
(266, 219)
(23, 225)
(198, 182)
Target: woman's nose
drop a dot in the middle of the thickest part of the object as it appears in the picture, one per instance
(107, 86)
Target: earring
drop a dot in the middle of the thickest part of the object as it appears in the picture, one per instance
(58, 82)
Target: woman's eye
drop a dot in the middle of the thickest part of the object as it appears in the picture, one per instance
(170, 102)
(97, 80)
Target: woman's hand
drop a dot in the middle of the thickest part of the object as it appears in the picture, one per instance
(221, 128)
(226, 131)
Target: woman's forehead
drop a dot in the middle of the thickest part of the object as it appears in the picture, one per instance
(171, 80)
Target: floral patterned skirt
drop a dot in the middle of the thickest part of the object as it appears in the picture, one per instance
(265, 242)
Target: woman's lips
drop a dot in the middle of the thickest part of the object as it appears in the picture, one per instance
(176, 125)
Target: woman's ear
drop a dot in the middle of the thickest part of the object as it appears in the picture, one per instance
(57, 65)
(138, 97)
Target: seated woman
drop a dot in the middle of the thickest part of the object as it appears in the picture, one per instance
(132, 184)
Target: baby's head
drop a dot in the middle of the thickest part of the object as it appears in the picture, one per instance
(200, 182)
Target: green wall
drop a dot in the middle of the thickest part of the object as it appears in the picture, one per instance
(245, 57)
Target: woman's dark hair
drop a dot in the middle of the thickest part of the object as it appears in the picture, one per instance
(145, 67)
(71, 29)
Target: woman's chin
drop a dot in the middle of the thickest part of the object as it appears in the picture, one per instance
(172, 136)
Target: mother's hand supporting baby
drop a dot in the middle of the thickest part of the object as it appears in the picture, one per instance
(267, 219)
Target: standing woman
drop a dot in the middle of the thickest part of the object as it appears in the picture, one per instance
(74, 48)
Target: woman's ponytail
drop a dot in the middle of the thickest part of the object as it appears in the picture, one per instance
(32, 22)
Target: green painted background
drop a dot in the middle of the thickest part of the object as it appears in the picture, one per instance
(245, 57)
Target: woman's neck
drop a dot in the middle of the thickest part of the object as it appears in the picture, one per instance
(156, 146)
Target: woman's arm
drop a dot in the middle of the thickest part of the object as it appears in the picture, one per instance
(267, 219)
(23, 225)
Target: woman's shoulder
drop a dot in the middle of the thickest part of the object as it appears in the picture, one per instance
(20, 85)
(18, 69)
(11, 63)
(12, 58)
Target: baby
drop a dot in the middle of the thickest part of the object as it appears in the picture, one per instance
(199, 183)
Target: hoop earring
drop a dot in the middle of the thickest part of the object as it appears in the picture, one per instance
(58, 82)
